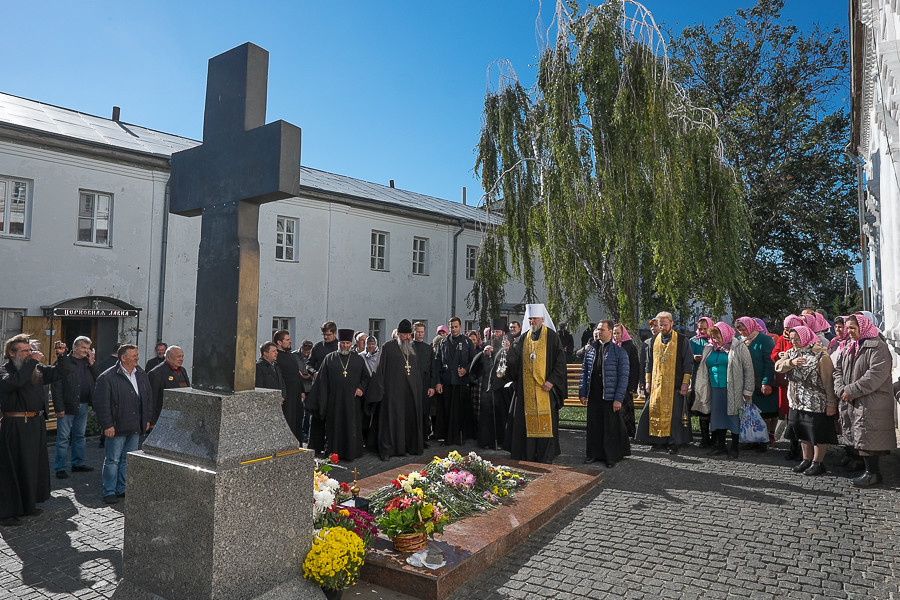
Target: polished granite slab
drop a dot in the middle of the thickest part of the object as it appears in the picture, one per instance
(471, 545)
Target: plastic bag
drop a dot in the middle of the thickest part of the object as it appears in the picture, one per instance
(753, 428)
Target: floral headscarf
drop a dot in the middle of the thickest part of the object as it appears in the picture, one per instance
(727, 332)
(792, 321)
(709, 323)
(750, 324)
(625, 335)
(866, 331)
(807, 336)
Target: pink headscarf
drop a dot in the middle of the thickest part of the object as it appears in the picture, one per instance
(866, 331)
(709, 323)
(727, 332)
(750, 324)
(821, 323)
(792, 321)
(807, 336)
(625, 335)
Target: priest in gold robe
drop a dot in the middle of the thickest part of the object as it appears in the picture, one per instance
(665, 420)
(536, 363)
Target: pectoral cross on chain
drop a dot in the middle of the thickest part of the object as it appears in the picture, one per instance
(408, 369)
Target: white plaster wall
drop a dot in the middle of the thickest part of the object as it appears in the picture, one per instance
(51, 266)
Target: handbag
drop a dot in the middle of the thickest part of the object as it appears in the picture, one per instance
(753, 428)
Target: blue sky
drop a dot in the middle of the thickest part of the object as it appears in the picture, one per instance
(382, 90)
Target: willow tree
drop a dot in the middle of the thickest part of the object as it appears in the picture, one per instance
(606, 174)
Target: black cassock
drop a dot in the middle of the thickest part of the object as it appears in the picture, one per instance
(396, 398)
(520, 446)
(333, 399)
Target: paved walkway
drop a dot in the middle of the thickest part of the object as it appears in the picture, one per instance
(659, 526)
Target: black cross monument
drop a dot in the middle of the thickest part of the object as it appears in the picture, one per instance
(241, 164)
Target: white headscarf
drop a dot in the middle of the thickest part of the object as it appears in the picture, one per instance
(539, 310)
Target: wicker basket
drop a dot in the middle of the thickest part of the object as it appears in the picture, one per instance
(410, 542)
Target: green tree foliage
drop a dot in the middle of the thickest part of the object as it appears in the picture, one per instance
(608, 175)
(775, 90)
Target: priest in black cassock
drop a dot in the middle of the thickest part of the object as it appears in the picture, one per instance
(336, 398)
(537, 364)
(490, 366)
(397, 398)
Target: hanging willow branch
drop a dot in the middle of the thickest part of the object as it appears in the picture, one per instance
(606, 174)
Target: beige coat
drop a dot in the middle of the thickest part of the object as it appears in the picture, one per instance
(867, 421)
(738, 379)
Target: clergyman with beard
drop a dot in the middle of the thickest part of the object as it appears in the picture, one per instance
(24, 464)
(336, 400)
(397, 398)
(490, 366)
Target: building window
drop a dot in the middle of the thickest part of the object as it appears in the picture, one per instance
(376, 329)
(15, 207)
(286, 323)
(471, 260)
(420, 256)
(379, 260)
(470, 325)
(95, 218)
(286, 239)
(10, 322)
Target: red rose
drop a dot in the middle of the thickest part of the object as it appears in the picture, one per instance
(333, 458)
(344, 487)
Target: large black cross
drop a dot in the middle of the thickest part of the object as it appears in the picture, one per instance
(241, 164)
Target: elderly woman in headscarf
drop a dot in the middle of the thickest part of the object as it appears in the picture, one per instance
(809, 371)
(371, 354)
(724, 382)
(623, 339)
(819, 326)
(783, 344)
(760, 347)
(698, 343)
(837, 343)
(862, 380)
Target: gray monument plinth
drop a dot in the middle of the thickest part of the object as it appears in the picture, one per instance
(219, 502)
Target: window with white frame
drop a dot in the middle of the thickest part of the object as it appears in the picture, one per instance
(10, 322)
(286, 239)
(379, 255)
(420, 256)
(376, 329)
(471, 261)
(15, 206)
(286, 323)
(469, 325)
(95, 218)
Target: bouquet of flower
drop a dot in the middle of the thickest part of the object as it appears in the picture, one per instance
(327, 491)
(459, 479)
(412, 514)
(358, 521)
(335, 559)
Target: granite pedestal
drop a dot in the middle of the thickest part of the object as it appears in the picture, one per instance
(219, 502)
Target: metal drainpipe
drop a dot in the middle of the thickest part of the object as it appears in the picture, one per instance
(861, 207)
(162, 268)
(462, 227)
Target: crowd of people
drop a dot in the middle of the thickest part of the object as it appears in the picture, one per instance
(503, 386)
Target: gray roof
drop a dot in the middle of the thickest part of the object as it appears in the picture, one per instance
(29, 114)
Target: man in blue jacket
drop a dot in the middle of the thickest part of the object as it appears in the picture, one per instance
(123, 400)
(604, 380)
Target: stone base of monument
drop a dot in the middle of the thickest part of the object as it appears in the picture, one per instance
(470, 546)
(219, 503)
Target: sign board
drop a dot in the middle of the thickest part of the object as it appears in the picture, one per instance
(93, 312)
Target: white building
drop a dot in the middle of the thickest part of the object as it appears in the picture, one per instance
(87, 245)
(875, 144)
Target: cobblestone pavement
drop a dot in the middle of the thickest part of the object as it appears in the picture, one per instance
(659, 526)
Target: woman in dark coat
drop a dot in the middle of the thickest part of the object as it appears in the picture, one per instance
(862, 382)
(761, 346)
(623, 339)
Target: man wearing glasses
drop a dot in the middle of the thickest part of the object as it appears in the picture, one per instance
(328, 345)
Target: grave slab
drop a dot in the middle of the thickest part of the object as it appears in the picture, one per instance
(470, 546)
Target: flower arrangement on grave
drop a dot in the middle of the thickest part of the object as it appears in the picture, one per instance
(457, 485)
(358, 521)
(410, 518)
(335, 559)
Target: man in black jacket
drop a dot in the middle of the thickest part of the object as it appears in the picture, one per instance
(24, 464)
(71, 396)
(455, 415)
(293, 386)
(268, 373)
(167, 375)
(325, 347)
(159, 359)
(123, 400)
(425, 360)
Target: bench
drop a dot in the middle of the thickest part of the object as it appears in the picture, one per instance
(573, 376)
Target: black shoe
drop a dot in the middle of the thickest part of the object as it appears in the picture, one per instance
(733, 454)
(10, 522)
(589, 460)
(122, 495)
(62, 475)
(815, 468)
(762, 447)
(35, 512)
(111, 499)
(673, 450)
(802, 466)
(383, 457)
(610, 465)
(82, 469)
(867, 479)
